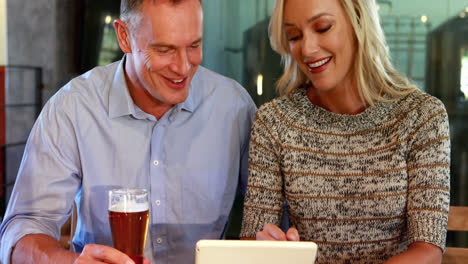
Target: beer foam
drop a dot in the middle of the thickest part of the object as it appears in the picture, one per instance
(129, 207)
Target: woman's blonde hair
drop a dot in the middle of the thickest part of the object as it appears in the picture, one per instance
(374, 72)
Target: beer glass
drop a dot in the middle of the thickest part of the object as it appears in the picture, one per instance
(128, 219)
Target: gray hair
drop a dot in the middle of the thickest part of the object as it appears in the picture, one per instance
(130, 10)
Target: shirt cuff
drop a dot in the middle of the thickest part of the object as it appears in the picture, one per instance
(17, 229)
(429, 227)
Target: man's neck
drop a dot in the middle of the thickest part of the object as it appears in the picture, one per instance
(146, 102)
(142, 98)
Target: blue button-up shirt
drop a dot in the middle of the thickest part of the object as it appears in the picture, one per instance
(91, 137)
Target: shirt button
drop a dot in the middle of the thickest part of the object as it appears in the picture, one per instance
(158, 202)
(156, 163)
(159, 240)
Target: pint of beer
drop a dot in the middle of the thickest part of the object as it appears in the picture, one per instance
(128, 218)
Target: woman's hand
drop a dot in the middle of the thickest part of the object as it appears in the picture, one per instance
(418, 252)
(272, 232)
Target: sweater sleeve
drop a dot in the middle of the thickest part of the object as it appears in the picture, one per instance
(429, 176)
(264, 197)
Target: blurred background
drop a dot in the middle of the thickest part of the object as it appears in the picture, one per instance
(45, 43)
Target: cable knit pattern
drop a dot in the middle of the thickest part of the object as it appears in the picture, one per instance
(363, 187)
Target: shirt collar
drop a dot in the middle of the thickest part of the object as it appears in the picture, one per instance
(187, 105)
(121, 103)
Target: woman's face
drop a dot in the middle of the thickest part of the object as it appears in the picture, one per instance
(321, 40)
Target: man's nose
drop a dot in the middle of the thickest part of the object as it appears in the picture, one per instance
(181, 64)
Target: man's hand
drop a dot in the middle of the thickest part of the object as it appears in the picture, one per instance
(272, 232)
(93, 253)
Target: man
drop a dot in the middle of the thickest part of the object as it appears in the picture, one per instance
(154, 120)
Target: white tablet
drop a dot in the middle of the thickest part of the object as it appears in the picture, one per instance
(254, 252)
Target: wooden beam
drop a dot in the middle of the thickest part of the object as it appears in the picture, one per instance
(455, 256)
(458, 218)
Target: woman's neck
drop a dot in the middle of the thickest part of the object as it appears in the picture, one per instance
(341, 101)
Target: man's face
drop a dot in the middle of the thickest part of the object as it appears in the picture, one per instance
(166, 50)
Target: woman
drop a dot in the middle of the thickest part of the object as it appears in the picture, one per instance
(360, 155)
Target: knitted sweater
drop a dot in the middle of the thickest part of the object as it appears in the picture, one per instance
(363, 187)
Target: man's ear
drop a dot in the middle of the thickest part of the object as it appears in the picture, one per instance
(123, 35)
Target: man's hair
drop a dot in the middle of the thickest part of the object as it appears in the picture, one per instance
(373, 71)
(129, 10)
